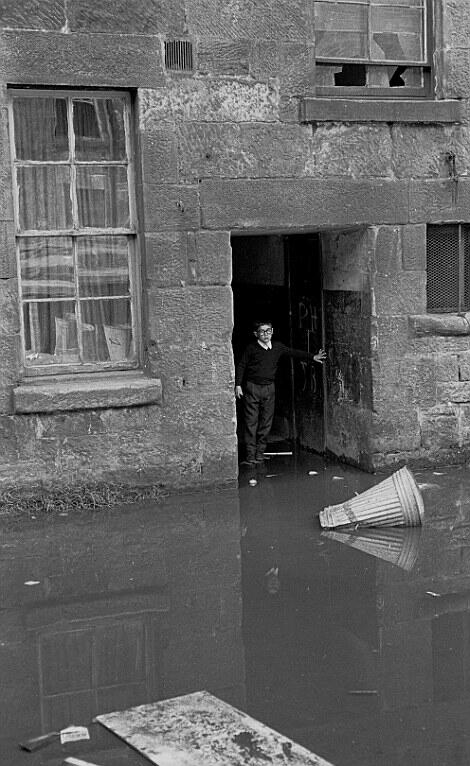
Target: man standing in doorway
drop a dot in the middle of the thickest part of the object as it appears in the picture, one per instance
(254, 381)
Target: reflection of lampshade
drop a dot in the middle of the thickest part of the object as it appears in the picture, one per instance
(433, 605)
(395, 502)
(398, 546)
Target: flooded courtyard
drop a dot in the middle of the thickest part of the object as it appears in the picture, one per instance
(356, 647)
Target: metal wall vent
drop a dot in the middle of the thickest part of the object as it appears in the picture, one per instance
(179, 55)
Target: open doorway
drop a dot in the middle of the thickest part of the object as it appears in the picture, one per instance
(278, 278)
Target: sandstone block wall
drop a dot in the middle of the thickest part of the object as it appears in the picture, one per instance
(220, 150)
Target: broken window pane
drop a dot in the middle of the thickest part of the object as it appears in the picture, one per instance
(397, 34)
(374, 30)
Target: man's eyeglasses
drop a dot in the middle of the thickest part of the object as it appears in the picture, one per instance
(268, 331)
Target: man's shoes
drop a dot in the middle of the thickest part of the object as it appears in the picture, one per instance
(260, 460)
(248, 462)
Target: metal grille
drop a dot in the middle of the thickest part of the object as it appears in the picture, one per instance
(448, 268)
(179, 55)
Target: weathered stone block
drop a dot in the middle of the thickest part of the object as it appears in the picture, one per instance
(209, 100)
(419, 150)
(286, 204)
(61, 425)
(400, 294)
(159, 156)
(231, 19)
(464, 365)
(29, 14)
(127, 61)
(458, 21)
(138, 17)
(9, 307)
(171, 208)
(388, 250)
(414, 247)
(391, 336)
(142, 419)
(395, 431)
(458, 73)
(217, 57)
(247, 150)
(6, 194)
(173, 316)
(8, 268)
(355, 151)
(166, 258)
(210, 258)
(439, 431)
(272, 20)
(446, 367)
(438, 201)
(454, 392)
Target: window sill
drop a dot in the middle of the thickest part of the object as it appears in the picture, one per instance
(87, 392)
(424, 325)
(380, 110)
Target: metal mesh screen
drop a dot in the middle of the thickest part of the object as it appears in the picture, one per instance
(443, 268)
(179, 55)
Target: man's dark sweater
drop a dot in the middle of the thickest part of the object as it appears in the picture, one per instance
(259, 365)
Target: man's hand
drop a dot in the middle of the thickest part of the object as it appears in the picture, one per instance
(321, 356)
(238, 392)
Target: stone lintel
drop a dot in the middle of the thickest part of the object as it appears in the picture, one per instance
(380, 110)
(87, 392)
(440, 324)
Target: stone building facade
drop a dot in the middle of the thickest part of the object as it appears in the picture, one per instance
(162, 162)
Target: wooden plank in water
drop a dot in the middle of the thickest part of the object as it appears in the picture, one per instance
(201, 730)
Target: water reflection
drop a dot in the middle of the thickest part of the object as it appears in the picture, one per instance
(354, 657)
(398, 546)
(358, 650)
(128, 608)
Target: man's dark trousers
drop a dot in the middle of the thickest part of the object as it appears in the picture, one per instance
(258, 407)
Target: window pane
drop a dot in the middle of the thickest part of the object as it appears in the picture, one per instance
(103, 266)
(111, 324)
(50, 333)
(103, 197)
(341, 30)
(99, 129)
(397, 34)
(442, 255)
(44, 197)
(41, 131)
(46, 267)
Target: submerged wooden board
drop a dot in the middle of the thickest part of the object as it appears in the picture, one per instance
(201, 730)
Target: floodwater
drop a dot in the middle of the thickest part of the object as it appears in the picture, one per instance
(361, 654)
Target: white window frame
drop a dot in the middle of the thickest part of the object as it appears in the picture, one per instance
(75, 232)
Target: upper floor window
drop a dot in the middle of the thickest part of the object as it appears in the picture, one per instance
(75, 230)
(374, 47)
(448, 267)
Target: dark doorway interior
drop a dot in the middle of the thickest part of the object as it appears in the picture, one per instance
(279, 279)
